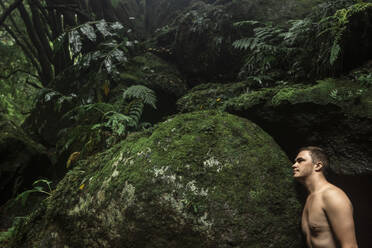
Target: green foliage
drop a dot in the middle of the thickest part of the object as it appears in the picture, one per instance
(57, 99)
(306, 48)
(337, 24)
(103, 122)
(98, 44)
(345, 95)
(267, 49)
(141, 92)
(365, 79)
(8, 234)
(36, 189)
(116, 122)
(16, 77)
(88, 113)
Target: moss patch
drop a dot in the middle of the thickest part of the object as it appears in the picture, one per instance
(203, 179)
(152, 71)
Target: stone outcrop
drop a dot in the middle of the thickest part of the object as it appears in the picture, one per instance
(336, 114)
(202, 179)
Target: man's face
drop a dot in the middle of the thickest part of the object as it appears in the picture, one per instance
(303, 165)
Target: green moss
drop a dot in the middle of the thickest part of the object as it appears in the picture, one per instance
(152, 71)
(318, 93)
(210, 96)
(191, 182)
(251, 99)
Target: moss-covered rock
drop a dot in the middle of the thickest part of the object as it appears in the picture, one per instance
(210, 96)
(334, 113)
(152, 71)
(203, 179)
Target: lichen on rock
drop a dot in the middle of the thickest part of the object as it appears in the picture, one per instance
(221, 181)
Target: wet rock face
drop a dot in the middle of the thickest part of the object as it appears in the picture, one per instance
(22, 161)
(203, 179)
(334, 114)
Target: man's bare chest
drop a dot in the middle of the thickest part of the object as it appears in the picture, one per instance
(314, 218)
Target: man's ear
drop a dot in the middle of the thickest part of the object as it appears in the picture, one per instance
(318, 166)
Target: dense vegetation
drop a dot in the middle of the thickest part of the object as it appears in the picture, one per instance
(79, 77)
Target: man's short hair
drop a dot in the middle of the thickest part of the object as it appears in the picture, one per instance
(318, 154)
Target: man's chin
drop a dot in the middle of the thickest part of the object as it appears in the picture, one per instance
(296, 176)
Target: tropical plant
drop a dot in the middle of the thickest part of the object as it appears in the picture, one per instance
(37, 188)
(107, 122)
(100, 44)
(311, 47)
(267, 50)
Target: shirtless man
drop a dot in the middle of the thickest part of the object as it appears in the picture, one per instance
(327, 218)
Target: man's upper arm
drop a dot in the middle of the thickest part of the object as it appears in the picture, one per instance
(340, 214)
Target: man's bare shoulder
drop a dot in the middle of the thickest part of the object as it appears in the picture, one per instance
(334, 197)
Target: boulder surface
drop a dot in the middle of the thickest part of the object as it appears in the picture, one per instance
(202, 179)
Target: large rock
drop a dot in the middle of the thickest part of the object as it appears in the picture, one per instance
(203, 179)
(335, 114)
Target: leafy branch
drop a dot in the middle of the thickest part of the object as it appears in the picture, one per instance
(36, 189)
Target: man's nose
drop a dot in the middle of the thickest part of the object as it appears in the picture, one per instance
(294, 165)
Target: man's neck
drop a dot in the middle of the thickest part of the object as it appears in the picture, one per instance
(315, 183)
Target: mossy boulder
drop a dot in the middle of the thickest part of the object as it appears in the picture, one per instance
(210, 96)
(333, 113)
(154, 72)
(202, 179)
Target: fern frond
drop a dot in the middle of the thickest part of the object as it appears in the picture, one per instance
(135, 109)
(88, 110)
(335, 51)
(246, 23)
(141, 92)
(243, 44)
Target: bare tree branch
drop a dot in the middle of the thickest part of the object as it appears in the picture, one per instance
(16, 71)
(41, 30)
(47, 72)
(24, 48)
(12, 7)
(20, 34)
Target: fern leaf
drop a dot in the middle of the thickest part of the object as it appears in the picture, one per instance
(135, 112)
(335, 51)
(246, 23)
(141, 92)
(243, 44)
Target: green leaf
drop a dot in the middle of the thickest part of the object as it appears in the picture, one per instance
(141, 92)
(75, 41)
(103, 28)
(89, 32)
(335, 51)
